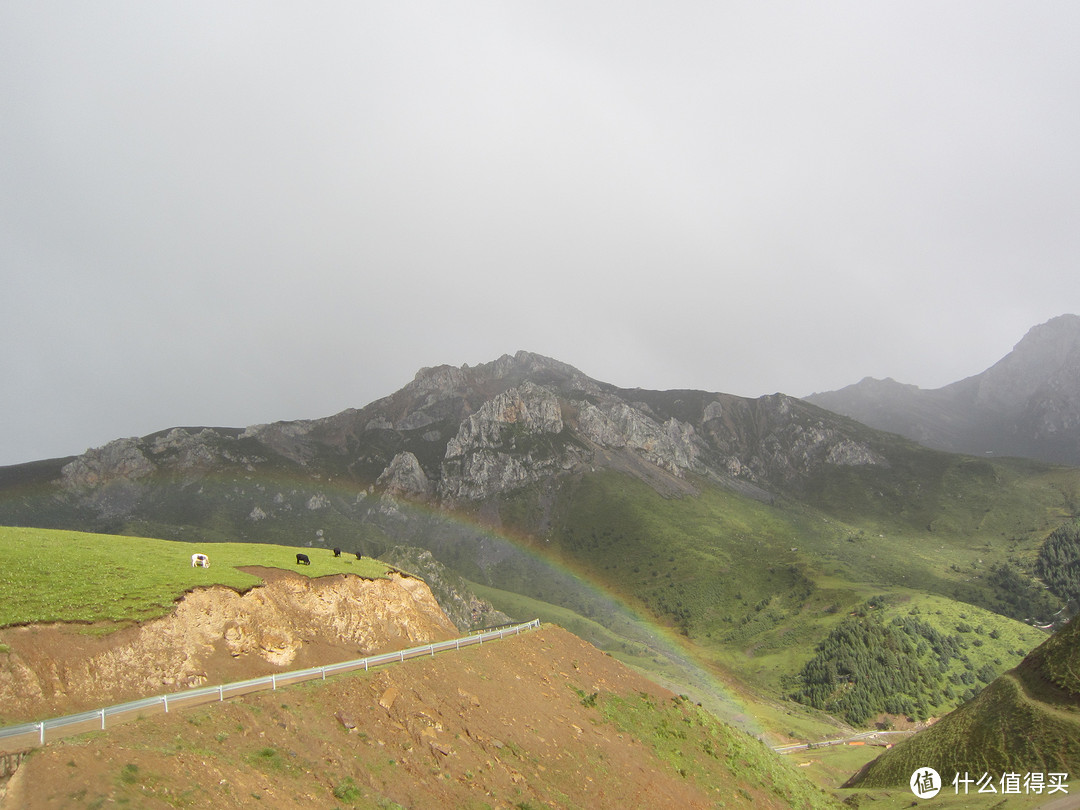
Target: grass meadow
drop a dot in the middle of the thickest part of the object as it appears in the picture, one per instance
(65, 576)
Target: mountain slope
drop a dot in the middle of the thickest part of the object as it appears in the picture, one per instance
(461, 437)
(537, 720)
(695, 532)
(1027, 404)
(1027, 720)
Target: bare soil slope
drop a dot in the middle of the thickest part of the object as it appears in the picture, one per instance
(214, 635)
(537, 720)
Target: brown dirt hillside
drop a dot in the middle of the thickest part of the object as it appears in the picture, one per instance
(215, 635)
(537, 720)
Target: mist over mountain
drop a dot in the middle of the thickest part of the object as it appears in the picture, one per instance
(1027, 404)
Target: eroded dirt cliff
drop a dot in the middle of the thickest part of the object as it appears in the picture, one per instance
(214, 635)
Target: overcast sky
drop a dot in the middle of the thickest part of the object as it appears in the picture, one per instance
(232, 213)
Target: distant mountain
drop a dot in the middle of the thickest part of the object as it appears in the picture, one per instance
(1026, 721)
(1027, 404)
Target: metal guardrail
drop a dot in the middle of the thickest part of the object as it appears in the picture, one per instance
(30, 735)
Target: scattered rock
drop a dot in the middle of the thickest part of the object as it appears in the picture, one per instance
(388, 697)
(347, 720)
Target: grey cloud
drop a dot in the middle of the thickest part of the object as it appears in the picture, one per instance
(241, 213)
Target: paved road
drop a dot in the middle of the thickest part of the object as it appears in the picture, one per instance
(869, 737)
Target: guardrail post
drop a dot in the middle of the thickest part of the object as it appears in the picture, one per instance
(165, 699)
(41, 732)
(401, 655)
(365, 665)
(221, 693)
(432, 648)
(323, 673)
(102, 719)
(273, 681)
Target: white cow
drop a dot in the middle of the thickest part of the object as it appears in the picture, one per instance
(200, 559)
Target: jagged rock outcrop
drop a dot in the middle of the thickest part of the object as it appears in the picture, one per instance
(456, 435)
(672, 445)
(405, 476)
(510, 441)
(289, 439)
(503, 420)
(793, 448)
(121, 458)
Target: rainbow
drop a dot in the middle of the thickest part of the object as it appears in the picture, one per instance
(463, 542)
(595, 603)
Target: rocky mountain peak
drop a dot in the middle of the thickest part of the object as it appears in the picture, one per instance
(439, 383)
(405, 476)
(438, 378)
(529, 364)
(1047, 356)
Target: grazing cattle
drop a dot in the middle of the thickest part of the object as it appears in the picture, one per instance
(359, 556)
(200, 560)
(337, 552)
(302, 559)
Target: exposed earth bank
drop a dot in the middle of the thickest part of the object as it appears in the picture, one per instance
(537, 720)
(214, 635)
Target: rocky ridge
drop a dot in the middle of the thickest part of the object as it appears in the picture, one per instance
(468, 434)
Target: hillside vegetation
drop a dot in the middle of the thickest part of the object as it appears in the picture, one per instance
(1058, 565)
(764, 588)
(908, 664)
(1027, 720)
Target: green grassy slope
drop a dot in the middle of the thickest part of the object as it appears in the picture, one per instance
(1028, 720)
(755, 587)
(910, 662)
(697, 746)
(51, 575)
